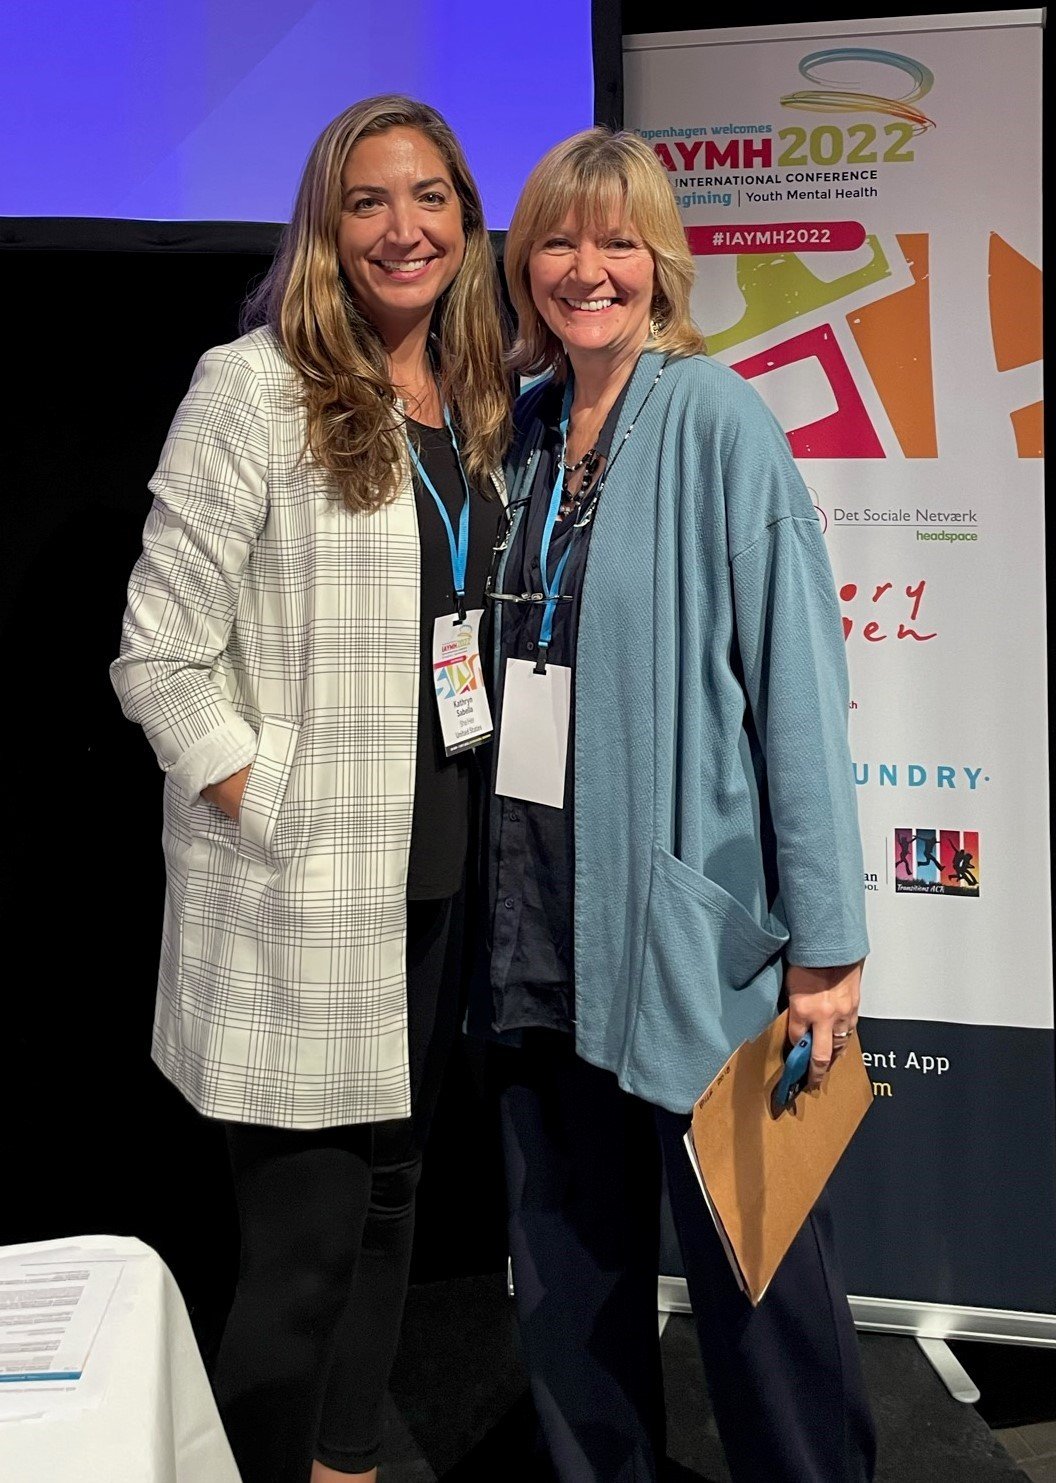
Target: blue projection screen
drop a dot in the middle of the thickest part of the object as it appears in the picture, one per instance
(204, 110)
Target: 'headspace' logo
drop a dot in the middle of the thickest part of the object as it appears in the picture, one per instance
(937, 862)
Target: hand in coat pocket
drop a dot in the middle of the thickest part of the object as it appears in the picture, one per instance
(227, 794)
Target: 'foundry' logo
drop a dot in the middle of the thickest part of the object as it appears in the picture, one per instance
(917, 775)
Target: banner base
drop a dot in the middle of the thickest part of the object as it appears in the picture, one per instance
(949, 1369)
(921, 1320)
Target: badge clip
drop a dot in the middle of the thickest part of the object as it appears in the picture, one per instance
(540, 663)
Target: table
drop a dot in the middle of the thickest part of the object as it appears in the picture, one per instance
(140, 1409)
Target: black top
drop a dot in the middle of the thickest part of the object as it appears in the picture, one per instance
(533, 854)
(440, 827)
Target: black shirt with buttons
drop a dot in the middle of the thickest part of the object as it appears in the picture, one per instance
(533, 874)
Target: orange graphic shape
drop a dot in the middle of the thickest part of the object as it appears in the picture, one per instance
(1015, 306)
(893, 335)
(1028, 424)
(1015, 325)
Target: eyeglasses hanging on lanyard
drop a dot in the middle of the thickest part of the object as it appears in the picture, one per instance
(459, 548)
(552, 589)
(551, 594)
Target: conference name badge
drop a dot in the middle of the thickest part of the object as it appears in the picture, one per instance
(533, 741)
(458, 679)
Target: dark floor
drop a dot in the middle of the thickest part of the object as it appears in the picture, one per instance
(1017, 1385)
(460, 1411)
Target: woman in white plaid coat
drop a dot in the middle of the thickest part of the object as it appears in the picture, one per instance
(277, 650)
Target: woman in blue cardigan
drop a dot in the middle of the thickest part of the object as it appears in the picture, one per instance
(674, 841)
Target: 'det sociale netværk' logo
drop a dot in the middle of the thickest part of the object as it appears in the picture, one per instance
(937, 862)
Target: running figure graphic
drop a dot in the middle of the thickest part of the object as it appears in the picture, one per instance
(963, 866)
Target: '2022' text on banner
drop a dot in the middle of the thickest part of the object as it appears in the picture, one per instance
(866, 222)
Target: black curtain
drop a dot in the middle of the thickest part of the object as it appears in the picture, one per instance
(105, 324)
(606, 29)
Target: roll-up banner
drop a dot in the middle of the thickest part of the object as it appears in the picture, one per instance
(863, 200)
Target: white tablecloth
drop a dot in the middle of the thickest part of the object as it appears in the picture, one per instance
(143, 1411)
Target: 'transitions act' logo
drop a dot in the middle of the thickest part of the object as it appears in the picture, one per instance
(937, 862)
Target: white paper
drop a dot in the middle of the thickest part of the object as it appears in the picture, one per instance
(51, 1312)
(533, 741)
(731, 1256)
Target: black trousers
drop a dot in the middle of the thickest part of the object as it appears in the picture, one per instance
(583, 1170)
(327, 1224)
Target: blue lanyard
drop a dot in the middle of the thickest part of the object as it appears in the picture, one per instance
(460, 549)
(552, 590)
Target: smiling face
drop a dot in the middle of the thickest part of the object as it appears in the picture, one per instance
(594, 287)
(400, 238)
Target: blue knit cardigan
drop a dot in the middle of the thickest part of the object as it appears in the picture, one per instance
(716, 829)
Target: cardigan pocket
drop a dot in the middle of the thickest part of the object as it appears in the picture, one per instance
(710, 978)
(734, 943)
(266, 785)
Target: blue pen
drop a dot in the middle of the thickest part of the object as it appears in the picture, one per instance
(793, 1077)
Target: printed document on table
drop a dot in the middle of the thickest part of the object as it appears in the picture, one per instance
(51, 1313)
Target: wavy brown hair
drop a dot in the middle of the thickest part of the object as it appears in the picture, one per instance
(353, 431)
(600, 178)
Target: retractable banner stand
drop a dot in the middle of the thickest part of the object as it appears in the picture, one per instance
(863, 200)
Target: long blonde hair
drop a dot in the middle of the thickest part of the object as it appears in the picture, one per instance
(348, 393)
(600, 178)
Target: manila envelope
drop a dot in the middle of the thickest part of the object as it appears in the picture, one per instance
(761, 1175)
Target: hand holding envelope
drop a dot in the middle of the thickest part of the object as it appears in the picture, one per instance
(762, 1173)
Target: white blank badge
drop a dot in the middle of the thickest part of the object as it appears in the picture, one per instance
(533, 738)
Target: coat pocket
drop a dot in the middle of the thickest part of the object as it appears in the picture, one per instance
(225, 925)
(710, 979)
(266, 786)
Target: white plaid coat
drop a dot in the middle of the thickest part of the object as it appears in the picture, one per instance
(268, 624)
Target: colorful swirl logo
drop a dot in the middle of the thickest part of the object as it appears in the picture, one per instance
(853, 97)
